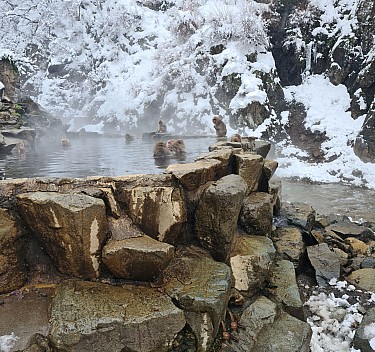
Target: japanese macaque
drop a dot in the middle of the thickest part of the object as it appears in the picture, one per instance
(236, 138)
(161, 150)
(20, 148)
(176, 147)
(129, 138)
(219, 126)
(162, 128)
(65, 142)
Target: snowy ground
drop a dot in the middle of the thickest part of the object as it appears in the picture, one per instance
(336, 312)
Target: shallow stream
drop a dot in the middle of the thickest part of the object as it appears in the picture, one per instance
(91, 155)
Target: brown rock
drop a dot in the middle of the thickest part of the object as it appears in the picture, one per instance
(12, 271)
(250, 167)
(140, 258)
(72, 228)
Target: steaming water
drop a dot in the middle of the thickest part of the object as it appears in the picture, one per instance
(112, 156)
(93, 156)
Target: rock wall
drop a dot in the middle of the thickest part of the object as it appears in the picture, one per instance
(307, 41)
(181, 261)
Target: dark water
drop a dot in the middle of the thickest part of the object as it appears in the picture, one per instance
(112, 156)
(93, 156)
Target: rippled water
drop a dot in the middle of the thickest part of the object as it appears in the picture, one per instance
(112, 156)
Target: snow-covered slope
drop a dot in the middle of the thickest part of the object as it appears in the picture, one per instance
(121, 65)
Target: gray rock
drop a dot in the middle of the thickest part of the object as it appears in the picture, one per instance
(325, 262)
(123, 228)
(274, 189)
(217, 214)
(257, 213)
(347, 229)
(88, 316)
(72, 228)
(269, 169)
(262, 147)
(286, 334)
(299, 214)
(201, 286)
(289, 244)
(284, 288)
(364, 332)
(368, 262)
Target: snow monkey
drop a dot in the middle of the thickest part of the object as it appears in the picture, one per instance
(176, 146)
(219, 126)
(65, 142)
(161, 150)
(129, 138)
(162, 128)
(236, 138)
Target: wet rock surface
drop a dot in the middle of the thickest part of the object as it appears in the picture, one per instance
(72, 226)
(224, 198)
(102, 317)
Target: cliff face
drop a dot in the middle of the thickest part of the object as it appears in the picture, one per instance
(334, 40)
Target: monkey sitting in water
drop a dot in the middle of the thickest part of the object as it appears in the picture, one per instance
(161, 150)
(129, 138)
(219, 126)
(65, 142)
(20, 148)
(176, 147)
(236, 138)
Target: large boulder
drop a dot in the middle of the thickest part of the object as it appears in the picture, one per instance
(257, 213)
(140, 258)
(325, 262)
(88, 316)
(159, 210)
(217, 214)
(269, 169)
(284, 288)
(201, 286)
(250, 168)
(193, 175)
(72, 228)
(299, 214)
(12, 270)
(251, 261)
(225, 156)
(289, 244)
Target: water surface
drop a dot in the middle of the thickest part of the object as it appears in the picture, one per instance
(93, 156)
